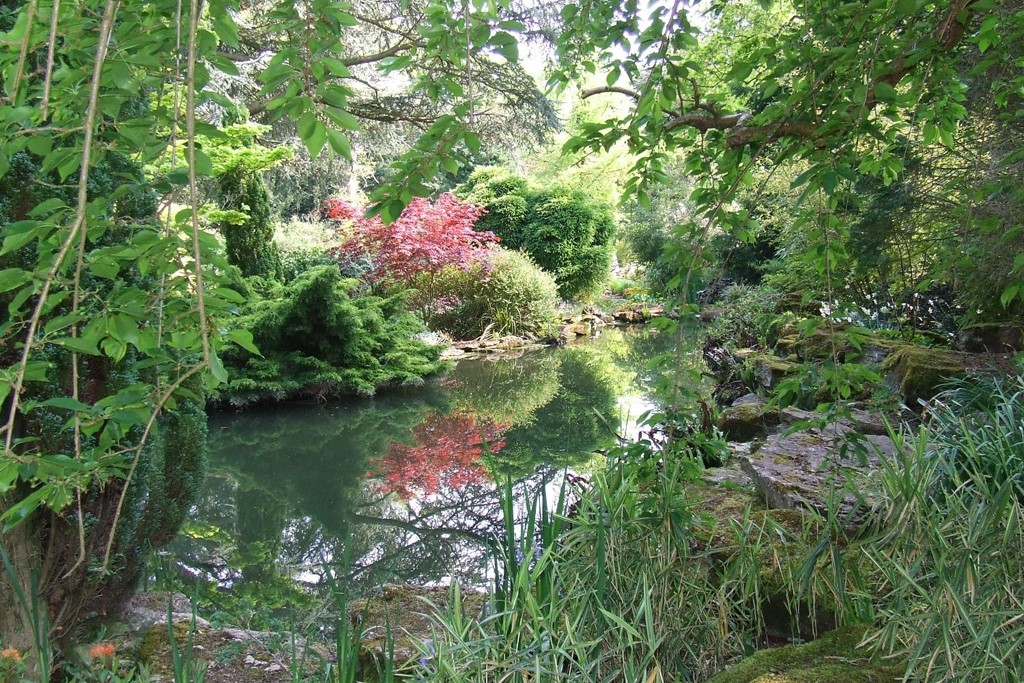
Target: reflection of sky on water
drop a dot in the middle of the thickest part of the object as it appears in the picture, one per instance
(303, 491)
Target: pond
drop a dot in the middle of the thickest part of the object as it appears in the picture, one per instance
(400, 488)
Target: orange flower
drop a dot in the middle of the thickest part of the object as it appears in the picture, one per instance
(10, 655)
(102, 651)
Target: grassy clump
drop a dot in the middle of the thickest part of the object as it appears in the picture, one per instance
(508, 295)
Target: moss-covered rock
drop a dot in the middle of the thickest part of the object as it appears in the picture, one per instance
(769, 370)
(992, 338)
(917, 371)
(833, 658)
(746, 421)
(811, 469)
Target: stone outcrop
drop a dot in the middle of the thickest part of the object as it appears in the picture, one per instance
(813, 468)
(993, 338)
(747, 419)
(769, 370)
(917, 371)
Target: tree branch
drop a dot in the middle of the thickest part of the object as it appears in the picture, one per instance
(947, 34)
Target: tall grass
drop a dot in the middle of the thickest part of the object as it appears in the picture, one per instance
(950, 561)
(617, 592)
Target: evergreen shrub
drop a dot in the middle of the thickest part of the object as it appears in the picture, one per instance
(565, 231)
(318, 339)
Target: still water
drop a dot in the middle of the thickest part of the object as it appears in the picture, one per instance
(400, 488)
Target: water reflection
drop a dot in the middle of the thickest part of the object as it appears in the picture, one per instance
(399, 488)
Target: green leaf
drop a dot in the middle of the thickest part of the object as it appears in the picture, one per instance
(8, 473)
(336, 67)
(340, 144)
(21, 510)
(1011, 293)
(105, 268)
(87, 345)
(244, 339)
(315, 143)
(217, 369)
(884, 92)
(449, 164)
(225, 28)
(204, 164)
(341, 118)
(12, 278)
(124, 328)
(67, 403)
(739, 71)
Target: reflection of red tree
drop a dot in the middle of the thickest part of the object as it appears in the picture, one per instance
(446, 453)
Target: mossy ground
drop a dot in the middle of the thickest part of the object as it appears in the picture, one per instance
(833, 658)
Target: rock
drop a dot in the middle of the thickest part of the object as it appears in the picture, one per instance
(747, 399)
(992, 338)
(402, 610)
(917, 371)
(769, 370)
(637, 313)
(835, 657)
(803, 469)
(746, 421)
(710, 313)
(856, 419)
(874, 354)
(732, 475)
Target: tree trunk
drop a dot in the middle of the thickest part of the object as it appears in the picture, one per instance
(22, 558)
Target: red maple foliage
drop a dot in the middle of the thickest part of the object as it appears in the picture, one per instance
(424, 239)
(447, 450)
(339, 210)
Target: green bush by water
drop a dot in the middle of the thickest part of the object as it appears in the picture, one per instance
(510, 295)
(565, 231)
(319, 338)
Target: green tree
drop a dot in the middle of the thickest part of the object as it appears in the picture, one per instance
(565, 231)
(247, 223)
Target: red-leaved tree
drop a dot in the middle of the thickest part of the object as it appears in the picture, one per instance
(447, 451)
(426, 238)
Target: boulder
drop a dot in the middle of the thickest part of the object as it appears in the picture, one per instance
(855, 419)
(917, 371)
(746, 421)
(835, 657)
(809, 468)
(769, 370)
(992, 338)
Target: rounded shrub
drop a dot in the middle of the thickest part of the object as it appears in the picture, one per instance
(510, 294)
(567, 232)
